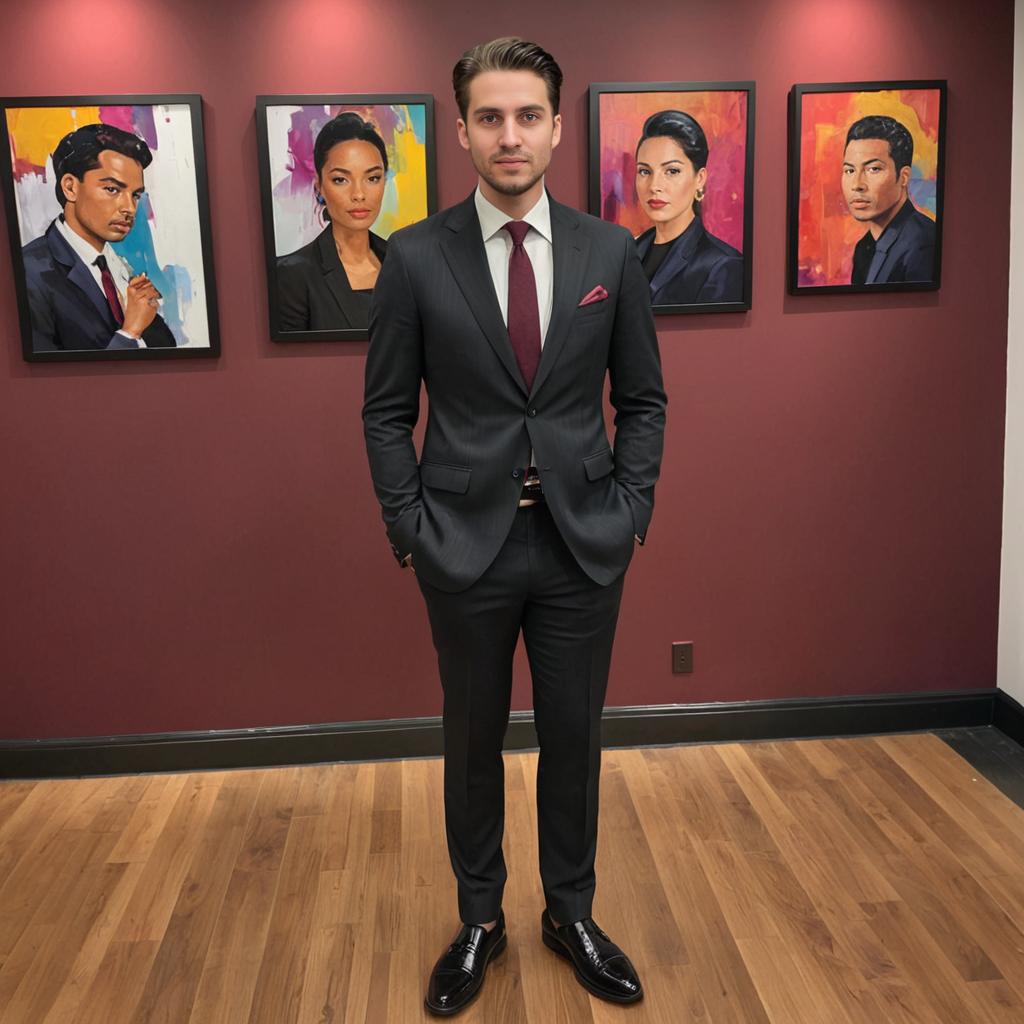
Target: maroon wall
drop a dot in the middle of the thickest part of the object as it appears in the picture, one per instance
(197, 546)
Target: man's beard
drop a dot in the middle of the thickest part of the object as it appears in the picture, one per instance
(508, 188)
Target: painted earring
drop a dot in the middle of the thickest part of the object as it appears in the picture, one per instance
(320, 199)
(700, 194)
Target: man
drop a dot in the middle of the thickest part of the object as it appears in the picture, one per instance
(900, 241)
(81, 294)
(520, 516)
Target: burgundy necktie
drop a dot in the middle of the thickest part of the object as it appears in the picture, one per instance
(110, 290)
(523, 318)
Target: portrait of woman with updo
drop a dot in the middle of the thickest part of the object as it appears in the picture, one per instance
(684, 263)
(327, 284)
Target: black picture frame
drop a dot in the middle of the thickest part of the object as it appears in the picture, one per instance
(202, 208)
(597, 201)
(800, 259)
(263, 104)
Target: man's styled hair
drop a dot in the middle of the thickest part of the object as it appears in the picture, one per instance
(79, 151)
(877, 126)
(506, 54)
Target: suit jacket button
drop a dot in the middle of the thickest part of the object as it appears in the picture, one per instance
(515, 474)
(532, 412)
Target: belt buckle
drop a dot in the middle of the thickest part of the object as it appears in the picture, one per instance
(532, 492)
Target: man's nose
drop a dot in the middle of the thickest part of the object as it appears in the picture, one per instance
(510, 135)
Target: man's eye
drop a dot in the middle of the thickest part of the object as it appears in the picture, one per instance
(489, 119)
(529, 116)
(110, 190)
(374, 178)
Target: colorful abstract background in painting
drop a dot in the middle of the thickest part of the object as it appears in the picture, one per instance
(165, 242)
(723, 116)
(292, 131)
(827, 233)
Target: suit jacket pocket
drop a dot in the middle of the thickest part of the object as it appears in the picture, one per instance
(598, 465)
(445, 478)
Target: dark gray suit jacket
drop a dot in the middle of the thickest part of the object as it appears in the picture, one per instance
(68, 309)
(905, 251)
(313, 290)
(697, 268)
(435, 318)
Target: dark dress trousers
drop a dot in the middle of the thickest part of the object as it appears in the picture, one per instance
(488, 569)
(905, 250)
(698, 268)
(68, 308)
(313, 291)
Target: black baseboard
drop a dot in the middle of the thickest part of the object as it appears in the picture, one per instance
(1008, 716)
(422, 737)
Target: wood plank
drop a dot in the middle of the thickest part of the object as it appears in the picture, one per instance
(278, 995)
(174, 979)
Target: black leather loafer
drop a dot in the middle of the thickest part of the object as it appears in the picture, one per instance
(459, 972)
(601, 967)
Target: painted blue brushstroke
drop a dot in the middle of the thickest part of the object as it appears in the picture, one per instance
(418, 118)
(173, 282)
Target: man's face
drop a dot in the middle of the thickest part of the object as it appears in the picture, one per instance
(871, 185)
(101, 207)
(510, 129)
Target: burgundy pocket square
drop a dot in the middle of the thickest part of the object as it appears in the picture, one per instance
(598, 294)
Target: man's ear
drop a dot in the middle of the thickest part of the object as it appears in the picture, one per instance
(460, 127)
(904, 178)
(556, 134)
(69, 186)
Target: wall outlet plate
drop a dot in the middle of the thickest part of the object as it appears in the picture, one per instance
(682, 657)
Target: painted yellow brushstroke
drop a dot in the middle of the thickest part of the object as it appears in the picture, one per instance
(408, 159)
(35, 131)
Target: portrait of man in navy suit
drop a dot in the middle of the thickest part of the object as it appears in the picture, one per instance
(899, 244)
(81, 294)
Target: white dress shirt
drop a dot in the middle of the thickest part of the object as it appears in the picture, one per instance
(537, 243)
(498, 246)
(119, 269)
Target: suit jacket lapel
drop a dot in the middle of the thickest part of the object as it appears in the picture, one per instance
(463, 248)
(678, 255)
(78, 273)
(334, 274)
(569, 249)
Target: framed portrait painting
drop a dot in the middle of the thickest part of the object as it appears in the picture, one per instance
(338, 175)
(865, 186)
(109, 224)
(673, 163)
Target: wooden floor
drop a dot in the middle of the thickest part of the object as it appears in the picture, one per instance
(849, 881)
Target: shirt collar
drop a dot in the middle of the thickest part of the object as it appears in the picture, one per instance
(83, 250)
(492, 220)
